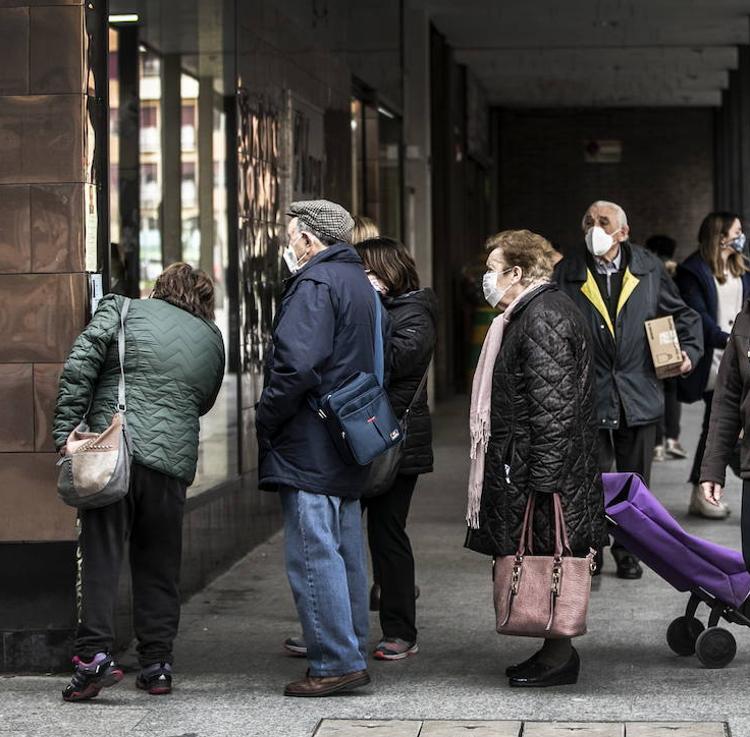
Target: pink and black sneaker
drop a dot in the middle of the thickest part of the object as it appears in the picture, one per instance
(156, 679)
(90, 678)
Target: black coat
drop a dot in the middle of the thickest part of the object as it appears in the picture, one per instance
(625, 376)
(412, 342)
(323, 333)
(695, 281)
(544, 430)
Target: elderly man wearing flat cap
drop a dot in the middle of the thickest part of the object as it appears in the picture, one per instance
(323, 333)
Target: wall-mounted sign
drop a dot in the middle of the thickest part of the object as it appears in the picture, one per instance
(602, 151)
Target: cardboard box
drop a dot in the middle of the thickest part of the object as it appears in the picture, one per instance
(665, 347)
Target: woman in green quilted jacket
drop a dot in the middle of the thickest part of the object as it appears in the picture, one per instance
(174, 366)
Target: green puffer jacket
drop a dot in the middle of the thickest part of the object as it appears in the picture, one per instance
(174, 366)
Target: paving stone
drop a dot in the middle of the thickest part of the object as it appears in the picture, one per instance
(675, 729)
(368, 728)
(574, 729)
(470, 729)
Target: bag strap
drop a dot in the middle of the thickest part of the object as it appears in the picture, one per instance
(378, 341)
(416, 393)
(562, 543)
(527, 528)
(121, 354)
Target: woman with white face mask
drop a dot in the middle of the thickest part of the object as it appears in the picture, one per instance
(715, 282)
(533, 426)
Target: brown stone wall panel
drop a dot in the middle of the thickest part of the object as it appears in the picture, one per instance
(28, 486)
(57, 50)
(15, 230)
(41, 139)
(40, 316)
(57, 233)
(14, 51)
(46, 379)
(16, 408)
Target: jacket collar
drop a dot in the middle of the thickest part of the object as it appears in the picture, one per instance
(341, 252)
(636, 258)
(530, 297)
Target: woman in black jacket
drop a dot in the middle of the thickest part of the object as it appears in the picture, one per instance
(533, 426)
(413, 314)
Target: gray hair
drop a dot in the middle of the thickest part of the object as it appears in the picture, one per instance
(621, 216)
(324, 240)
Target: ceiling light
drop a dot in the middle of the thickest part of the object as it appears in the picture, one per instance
(124, 18)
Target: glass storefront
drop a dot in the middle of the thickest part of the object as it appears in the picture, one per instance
(169, 153)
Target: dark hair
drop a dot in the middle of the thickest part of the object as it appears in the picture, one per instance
(662, 245)
(188, 288)
(715, 226)
(391, 262)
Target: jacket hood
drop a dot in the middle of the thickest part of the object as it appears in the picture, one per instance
(425, 297)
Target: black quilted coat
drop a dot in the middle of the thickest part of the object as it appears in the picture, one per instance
(544, 430)
(412, 342)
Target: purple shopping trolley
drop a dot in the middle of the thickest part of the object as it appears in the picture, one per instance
(714, 575)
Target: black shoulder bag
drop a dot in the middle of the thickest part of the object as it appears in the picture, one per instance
(384, 468)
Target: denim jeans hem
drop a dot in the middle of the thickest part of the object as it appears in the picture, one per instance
(336, 672)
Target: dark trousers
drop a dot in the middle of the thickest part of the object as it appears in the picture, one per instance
(745, 523)
(392, 558)
(669, 425)
(151, 517)
(629, 450)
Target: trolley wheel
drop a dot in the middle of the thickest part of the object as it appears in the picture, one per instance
(683, 633)
(716, 647)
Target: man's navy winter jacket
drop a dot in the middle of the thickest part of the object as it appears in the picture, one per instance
(695, 280)
(323, 333)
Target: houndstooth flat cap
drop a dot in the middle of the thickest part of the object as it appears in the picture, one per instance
(324, 217)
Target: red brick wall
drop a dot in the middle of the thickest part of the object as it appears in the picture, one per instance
(664, 181)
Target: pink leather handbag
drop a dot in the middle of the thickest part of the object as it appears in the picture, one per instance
(542, 595)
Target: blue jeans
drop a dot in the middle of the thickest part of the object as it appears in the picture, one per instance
(325, 563)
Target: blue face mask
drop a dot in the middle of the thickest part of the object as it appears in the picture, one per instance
(738, 244)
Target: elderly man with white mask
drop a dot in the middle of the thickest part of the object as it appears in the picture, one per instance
(618, 286)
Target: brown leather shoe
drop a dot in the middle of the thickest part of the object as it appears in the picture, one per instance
(327, 685)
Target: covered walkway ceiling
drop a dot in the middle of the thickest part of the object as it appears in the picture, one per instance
(583, 53)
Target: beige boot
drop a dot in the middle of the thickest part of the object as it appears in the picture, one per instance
(699, 507)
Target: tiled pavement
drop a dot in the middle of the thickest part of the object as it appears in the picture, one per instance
(446, 728)
(230, 670)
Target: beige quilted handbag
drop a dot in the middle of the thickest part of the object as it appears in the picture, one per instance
(543, 595)
(95, 470)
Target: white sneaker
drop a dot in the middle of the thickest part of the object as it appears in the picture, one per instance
(699, 507)
(675, 449)
(659, 454)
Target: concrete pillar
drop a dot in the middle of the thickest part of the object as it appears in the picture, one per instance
(171, 151)
(129, 178)
(417, 142)
(50, 236)
(206, 172)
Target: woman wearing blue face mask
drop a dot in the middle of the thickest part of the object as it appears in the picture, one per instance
(715, 282)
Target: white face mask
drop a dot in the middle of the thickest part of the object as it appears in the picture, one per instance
(492, 294)
(290, 256)
(598, 241)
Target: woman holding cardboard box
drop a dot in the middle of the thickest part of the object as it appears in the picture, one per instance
(715, 282)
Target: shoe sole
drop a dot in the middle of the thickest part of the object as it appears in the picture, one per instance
(560, 681)
(297, 652)
(341, 688)
(380, 655)
(93, 689)
(155, 690)
(697, 513)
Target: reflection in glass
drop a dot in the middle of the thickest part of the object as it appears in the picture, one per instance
(151, 168)
(191, 234)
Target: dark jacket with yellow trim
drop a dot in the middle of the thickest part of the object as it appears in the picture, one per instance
(625, 376)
